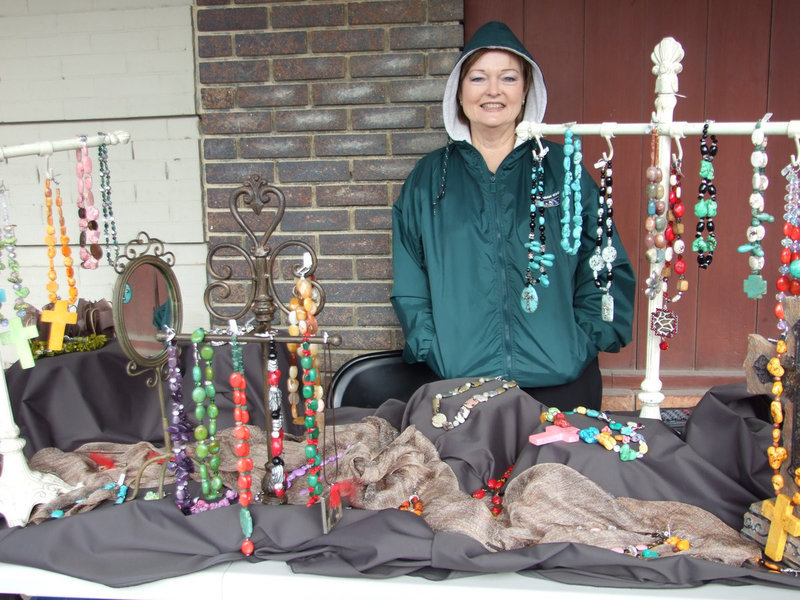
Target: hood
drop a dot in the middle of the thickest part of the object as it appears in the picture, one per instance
(497, 36)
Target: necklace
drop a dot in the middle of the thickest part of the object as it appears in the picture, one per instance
(21, 292)
(50, 239)
(439, 419)
(656, 221)
(494, 487)
(244, 464)
(788, 282)
(312, 404)
(613, 436)
(603, 258)
(538, 257)
(179, 431)
(109, 222)
(87, 211)
(706, 208)
(754, 286)
(203, 395)
(277, 479)
(572, 225)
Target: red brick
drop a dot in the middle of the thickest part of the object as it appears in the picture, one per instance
(219, 148)
(311, 120)
(216, 97)
(271, 44)
(374, 268)
(362, 92)
(352, 195)
(237, 172)
(313, 170)
(214, 46)
(429, 36)
(276, 147)
(297, 69)
(417, 90)
(365, 339)
(328, 269)
(402, 117)
(230, 19)
(347, 40)
(387, 65)
(355, 244)
(300, 16)
(400, 11)
(418, 143)
(442, 63)
(445, 10)
(376, 316)
(373, 219)
(315, 220)
(253, 96)
(350, 144)
(250, 122)
(381, 169)
(232, 71)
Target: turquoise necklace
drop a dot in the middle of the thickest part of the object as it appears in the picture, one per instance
(572, 225)
(538, 257)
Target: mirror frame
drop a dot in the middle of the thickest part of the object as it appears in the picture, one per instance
(165, 269)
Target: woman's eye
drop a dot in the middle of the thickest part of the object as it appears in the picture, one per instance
(477, 79)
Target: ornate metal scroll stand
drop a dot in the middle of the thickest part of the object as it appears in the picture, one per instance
(261, 296)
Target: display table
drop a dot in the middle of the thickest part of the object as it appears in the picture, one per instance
(140, 548)
(239, 580)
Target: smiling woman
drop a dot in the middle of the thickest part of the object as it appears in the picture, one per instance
(483, 286)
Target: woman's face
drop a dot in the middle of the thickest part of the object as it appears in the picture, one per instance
(492, 91)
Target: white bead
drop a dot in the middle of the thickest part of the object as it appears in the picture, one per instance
(760, 182)
(757, 137)
(668, 254)
(757, 201)
(758, 159)
(756, 263)
(679, 246)
(755, 233)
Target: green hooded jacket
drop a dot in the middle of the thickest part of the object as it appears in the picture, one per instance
(459, 258)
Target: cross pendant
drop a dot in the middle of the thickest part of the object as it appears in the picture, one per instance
(59, 317)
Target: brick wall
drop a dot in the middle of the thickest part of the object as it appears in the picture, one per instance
(333, 103)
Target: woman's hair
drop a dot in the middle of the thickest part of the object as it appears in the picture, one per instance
(527, 79)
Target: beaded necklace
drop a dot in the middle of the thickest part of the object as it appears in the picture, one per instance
(754, 286)
(656, 221)
(494, 487)
(203, 395)
(277, 478)
(313, 457)
(706, 207)
(241, 448)
(538, 257)
(603, 258)
(50, 239)
(572, 225)
(179, 430)
(787, 282)
(109, 222)
(21, 292)
(613, 436)
(439, 419)
(87, 211)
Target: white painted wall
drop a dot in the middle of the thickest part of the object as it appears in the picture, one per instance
(78, 67)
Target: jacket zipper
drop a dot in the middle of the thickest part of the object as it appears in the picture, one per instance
(503, 276)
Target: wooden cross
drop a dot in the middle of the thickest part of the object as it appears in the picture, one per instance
(18, 336)
(554, 433)
(58, 318)
(783, 523)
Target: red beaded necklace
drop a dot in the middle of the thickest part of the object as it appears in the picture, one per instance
(494, 486)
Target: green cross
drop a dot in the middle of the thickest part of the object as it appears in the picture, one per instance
(755, 287)
(18, 336)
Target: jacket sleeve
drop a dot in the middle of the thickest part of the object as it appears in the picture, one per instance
(411, 296)
(606, 336)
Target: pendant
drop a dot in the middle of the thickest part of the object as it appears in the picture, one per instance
(529, 299)
(607, 307)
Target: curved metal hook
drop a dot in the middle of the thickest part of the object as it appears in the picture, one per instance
(607, 131)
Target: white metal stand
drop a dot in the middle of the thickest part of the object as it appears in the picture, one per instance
(20, 488)
(666, 58)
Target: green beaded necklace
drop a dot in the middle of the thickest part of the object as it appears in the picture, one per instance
(206, 411)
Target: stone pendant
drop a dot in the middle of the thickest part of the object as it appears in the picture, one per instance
(607, 307)
(529, 299)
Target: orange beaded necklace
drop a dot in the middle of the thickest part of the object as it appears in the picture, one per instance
(51, 240)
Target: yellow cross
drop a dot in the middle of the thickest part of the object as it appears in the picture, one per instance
(782, 524)
(18, 335)
(59, 317)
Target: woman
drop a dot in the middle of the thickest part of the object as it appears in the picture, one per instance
(460, 229)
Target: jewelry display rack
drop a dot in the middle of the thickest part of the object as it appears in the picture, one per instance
(20, 488)
(666, 57)
(262, 298)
